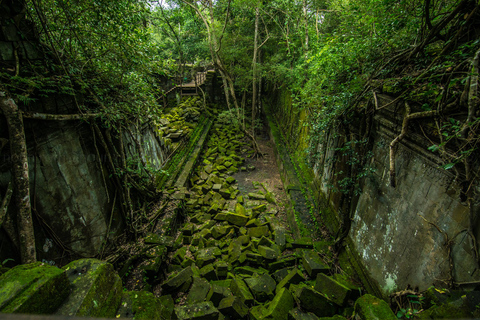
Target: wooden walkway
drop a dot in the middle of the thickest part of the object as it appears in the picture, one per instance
(191, 88)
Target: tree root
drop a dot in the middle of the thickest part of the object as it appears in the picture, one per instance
(408, 116)
(5, 202)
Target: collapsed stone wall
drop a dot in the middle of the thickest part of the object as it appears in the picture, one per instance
(400, 234)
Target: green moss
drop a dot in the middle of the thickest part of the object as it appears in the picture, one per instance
(139, 305)
(97, 289)
(33, 288)
(369, 307)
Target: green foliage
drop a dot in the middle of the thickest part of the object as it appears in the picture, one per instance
(104, 52)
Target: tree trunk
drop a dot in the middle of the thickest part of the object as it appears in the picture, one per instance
(254, 70)
(18, 151)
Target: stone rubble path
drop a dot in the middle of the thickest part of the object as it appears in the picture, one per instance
(239, 259)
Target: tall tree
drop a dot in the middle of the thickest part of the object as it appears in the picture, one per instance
(18, 152)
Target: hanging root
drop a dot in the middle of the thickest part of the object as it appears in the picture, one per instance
(408, 116)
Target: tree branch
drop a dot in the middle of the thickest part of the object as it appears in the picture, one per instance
(59, 117)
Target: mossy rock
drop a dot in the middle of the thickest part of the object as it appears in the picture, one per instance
(139, 305)
(262, 287)
(277, 309)
(313, 301)
(33, 288)
(369, 307)
(96, 289)
(203, 310)
(199, 290)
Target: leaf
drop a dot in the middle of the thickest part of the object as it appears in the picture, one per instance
(448, 166)
(433, 148)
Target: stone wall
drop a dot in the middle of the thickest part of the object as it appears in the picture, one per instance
(399, 233)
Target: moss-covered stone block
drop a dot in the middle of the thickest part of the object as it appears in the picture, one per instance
(233, 307)
(140, 305)
(96, 289)
(267, 253)
(236, 219)
(369, 307)
(258, 232)
(303, 243)
(313, 264)
(288, 261)
(280, 239)
(262, 287)
(208, 272)
(311, 300)
(297, 314)
(199, 290)
(278, 308)
(219, 290)
(207, 255)
(200, 311)
(256, 210)
(33, 288)
(167, 306)
(293, 277)
(178, 282)
(240, 289)
(179, 255)
(333, 289)
(221, 268)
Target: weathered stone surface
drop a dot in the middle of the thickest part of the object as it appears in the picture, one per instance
(154, 238)
(33, 288)
(262, 287)
(198, 292)
(96, 289)
(280, 238)
(303, 243)
(278, 308)
(168, 306)
(235, 250)
(207, 255)
(219, 231)
(200, 311)
(219, 290)
(258, 232)
(256, 210)
(233, 307)
(293, 277)
(267, 253)
(282, 263)
(208, 272)
(369, 307)
(313, 264)
(140, 305)
(179, 255)
(240, 289)
(179, 282)
(236, 219)
(221, 268)
(152, 266)
(279, 275)
(313, 301)
(281, 304)
(297, 314)
(336, 291)
(239, 209)
(256, 196)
